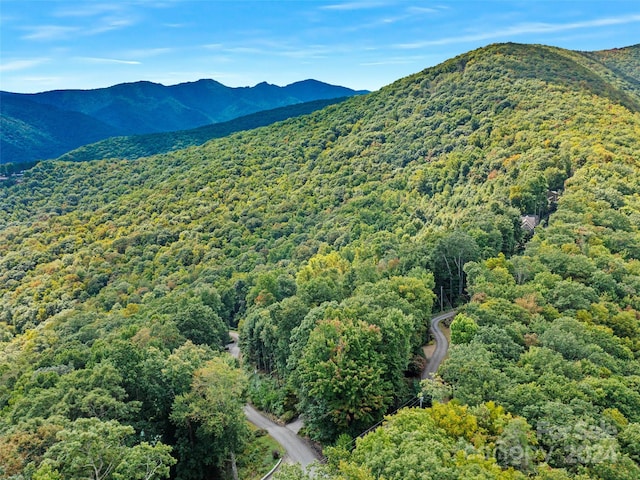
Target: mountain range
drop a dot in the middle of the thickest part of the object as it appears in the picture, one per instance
(46, 125)
(327, 241)
(136, 146)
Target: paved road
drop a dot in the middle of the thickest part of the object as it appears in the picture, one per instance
(442, 345)
(298, 451)
(233, 347)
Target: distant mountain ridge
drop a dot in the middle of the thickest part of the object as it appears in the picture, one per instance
(136, 146)
(33, 131)
(49, 124)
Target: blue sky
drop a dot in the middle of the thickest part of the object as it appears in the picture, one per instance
(50, 44)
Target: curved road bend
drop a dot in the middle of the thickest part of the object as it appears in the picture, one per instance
(442, 345)
(297, 449)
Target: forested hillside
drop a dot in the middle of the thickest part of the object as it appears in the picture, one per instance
(32, 131)
(326, 240)
(622, 60)
(137, 146)
(46, 125)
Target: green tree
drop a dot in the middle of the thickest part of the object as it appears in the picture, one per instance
(180, 366)
(291, 472)
(515, 447)
(341, 378)
(91, 448)
(323, 279)
(408, 446)
(463, 329)
(200, 324)
(629, 439)
(472, 371)
(209, 418)
(145, 462)
(47, 472)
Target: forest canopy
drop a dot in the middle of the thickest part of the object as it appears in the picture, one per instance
(327, 241)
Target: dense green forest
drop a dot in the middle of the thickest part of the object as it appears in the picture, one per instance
(136, 146)
(326, 241)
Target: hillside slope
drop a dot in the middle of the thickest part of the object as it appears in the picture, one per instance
(325, 239)
(137, 146)
(623, 60)
(33, 131)
(135, 108)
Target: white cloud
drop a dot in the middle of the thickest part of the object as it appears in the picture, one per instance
(248, 50)
(61, 32)
(109, 24)
(523, 29)
(353, 6)
(402, 16)
(108, 60)
(7, 19)
(213, 46)
(147, 52)
(423, 10)
(16, 65)
(88, 9)
(49, 32)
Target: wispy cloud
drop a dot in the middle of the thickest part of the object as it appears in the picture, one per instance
(247, 50)
(7, 19)
(267, 46)
(87, 9)
(523, 29)
(395, 61)
(147, 52)
(108, 60)
(403, 15)
(346, 6)
(311, 52)
(84, 19)
(49, 32)
(110, 24)
(16, 65)
(38, 83)
(423, 10)
(62, 32)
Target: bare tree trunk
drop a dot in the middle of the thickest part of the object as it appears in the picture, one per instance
(234, 467)
(446, 262)
(460, 264)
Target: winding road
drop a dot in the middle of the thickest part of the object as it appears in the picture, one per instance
(298, 451)
(442, 345)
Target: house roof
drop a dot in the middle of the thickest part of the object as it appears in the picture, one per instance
(529, 222)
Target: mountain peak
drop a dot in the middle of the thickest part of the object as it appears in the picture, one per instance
(264, 84)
